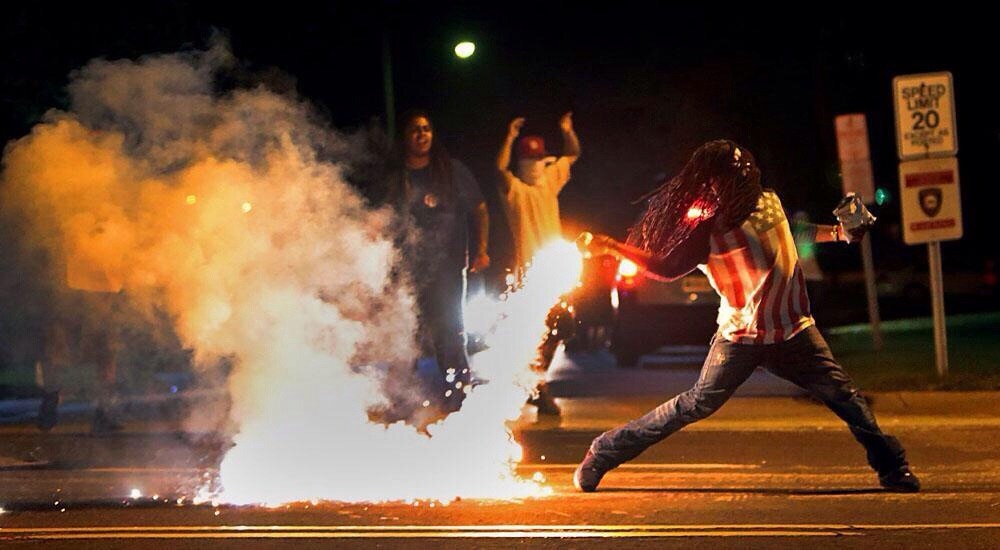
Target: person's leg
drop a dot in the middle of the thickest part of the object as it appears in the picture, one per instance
(48, 370)
(105, 415)
(560, 326)
(104, 337)
(448, 333)
(727, 366)
(556, 333)
(806, 360)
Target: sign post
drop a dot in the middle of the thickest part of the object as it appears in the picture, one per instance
(856, 177)
(928, 188)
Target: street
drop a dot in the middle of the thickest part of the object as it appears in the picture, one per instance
(378, 274)
(762, 472)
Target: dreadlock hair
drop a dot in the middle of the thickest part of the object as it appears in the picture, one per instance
(440, 161)
(720, 181)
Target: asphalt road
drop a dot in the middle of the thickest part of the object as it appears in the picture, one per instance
(764, 472)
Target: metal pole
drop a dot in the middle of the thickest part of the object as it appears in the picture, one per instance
(387, 86)
(872, 293)
(937, 305)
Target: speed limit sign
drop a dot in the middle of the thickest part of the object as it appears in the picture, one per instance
(925, 115)
(925, 127)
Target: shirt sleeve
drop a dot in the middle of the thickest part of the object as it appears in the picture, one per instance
(514, 185)
(558, 173)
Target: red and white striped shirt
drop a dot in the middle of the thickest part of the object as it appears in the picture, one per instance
(755, 269)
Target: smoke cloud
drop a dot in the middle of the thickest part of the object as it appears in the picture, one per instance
(228, 213)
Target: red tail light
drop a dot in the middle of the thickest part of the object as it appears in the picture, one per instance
(627, 272)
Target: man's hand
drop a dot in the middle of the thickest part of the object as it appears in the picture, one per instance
(595, 245)
(854, 218)
(583, 241)
(566, 122)
(481, 262)
(515, 127)
(855, 234)
(571, 144)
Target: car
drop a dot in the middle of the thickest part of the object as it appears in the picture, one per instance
(593, 312)
(651, 314)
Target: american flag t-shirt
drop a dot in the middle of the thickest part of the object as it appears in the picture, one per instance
(755, 270)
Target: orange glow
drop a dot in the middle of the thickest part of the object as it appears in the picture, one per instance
(695, 212)
(512, 329)
(281, 300)
(628, 269)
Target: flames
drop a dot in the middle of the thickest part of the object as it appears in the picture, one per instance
(470, 454)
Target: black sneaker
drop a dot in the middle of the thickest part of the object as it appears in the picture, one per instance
(589, 473)
(104, 423)
(544, 402)
(900, 480)
(48, 411)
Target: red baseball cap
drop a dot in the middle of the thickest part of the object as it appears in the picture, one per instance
(531, 147)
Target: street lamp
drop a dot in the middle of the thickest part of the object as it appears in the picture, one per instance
(465, 49)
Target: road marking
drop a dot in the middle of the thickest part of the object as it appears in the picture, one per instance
(647, 466)
(468, 531)
(435, 535)
(810, 471)
(805, 424)
(140, 470)
(531, 465)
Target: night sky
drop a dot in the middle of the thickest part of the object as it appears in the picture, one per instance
(647, 85)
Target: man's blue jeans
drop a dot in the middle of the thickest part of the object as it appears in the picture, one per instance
(804, 360)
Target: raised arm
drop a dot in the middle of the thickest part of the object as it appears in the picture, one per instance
(503, 156)
(481, 229)
(571, 144)
(820, 233)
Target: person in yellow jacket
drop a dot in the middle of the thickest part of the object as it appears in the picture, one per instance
(530, 198)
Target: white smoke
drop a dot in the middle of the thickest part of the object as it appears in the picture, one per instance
(230, 212)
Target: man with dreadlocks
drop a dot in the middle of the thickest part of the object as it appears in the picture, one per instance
(715, 215)
(438, 197)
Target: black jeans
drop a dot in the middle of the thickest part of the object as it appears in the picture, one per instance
(561, 326)
(440, 300)
(804, 360)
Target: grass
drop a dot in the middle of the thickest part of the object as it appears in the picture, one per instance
(78, 381)
(907, 360)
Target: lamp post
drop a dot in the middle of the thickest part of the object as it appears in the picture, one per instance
(463, 50)
(387, 86)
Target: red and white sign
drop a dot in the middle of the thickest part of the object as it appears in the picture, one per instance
(931, 201)
(855, 158)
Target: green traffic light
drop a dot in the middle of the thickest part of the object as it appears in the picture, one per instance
(882, 196)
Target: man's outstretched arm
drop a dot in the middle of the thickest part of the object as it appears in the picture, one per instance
(571, 143)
